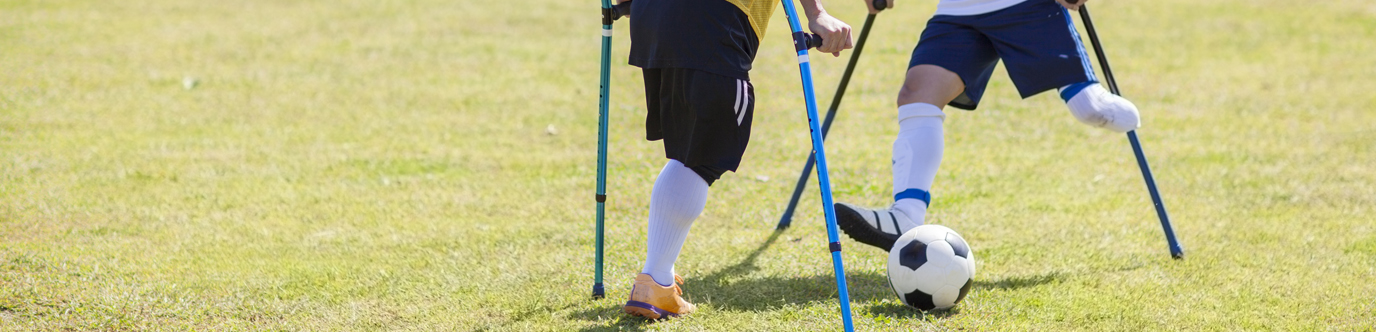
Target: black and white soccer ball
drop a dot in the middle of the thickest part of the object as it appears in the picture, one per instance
(931, 267)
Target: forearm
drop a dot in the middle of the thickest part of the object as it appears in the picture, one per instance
(811, 8)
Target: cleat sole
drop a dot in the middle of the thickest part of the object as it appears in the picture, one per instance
(647, 310)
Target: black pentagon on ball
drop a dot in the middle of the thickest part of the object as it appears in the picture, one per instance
(959, 245)
(913, 255)
(920, 300)
(965, 289)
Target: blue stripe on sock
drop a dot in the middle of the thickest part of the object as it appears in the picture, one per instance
(1071, 90)
(914, 193)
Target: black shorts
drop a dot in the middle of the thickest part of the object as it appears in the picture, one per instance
(703, 118)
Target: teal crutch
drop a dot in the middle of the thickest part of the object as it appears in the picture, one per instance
(609, 14)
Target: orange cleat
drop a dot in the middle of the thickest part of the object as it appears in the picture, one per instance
(651, 300)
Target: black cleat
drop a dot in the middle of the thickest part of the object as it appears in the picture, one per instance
(879, 228)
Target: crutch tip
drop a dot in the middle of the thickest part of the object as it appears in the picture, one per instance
(598, 292)
(785, 220)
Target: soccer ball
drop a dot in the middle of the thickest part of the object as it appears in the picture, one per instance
(931, 267)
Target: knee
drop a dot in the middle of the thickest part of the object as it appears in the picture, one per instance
(909, 94)
(708, 173)
(1096, 107)
(930, 84)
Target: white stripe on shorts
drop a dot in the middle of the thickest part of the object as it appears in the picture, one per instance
(737, 106)
(745, 105)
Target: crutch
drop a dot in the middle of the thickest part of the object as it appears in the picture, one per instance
(801, 42)
(1177, 251)
(609, 14)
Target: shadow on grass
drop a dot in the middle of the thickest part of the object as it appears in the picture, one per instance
(900, 311)
(1017, 282)
(726, 288)
(611, 309)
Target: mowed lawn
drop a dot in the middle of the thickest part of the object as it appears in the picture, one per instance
(430, 165)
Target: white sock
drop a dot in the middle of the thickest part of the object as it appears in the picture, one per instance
(916, 157)
(678, 198)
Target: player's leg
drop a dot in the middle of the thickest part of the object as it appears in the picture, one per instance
(917, 151)
(1094, 105)
(947, 56)
(704, 121)
(920, 143)
(677, 199)
(1040, 47)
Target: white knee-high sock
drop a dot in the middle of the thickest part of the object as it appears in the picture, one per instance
(916, 157)
(678, 198)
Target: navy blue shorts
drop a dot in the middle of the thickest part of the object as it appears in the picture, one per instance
(1036, 40)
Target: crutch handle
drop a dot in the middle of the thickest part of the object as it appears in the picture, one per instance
(883, 4)
(616, 12)
(812, 40)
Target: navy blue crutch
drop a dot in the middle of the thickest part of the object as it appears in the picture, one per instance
(609, 14)
(787, 218)
(801, 42)
(1177, 251)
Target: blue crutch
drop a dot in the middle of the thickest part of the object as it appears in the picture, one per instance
(801, 42)
(787, 218)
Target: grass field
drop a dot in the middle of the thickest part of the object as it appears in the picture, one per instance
(429, 165)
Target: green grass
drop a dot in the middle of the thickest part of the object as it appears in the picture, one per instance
(385, 165)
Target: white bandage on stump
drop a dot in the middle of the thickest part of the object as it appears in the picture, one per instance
(1097, 107)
